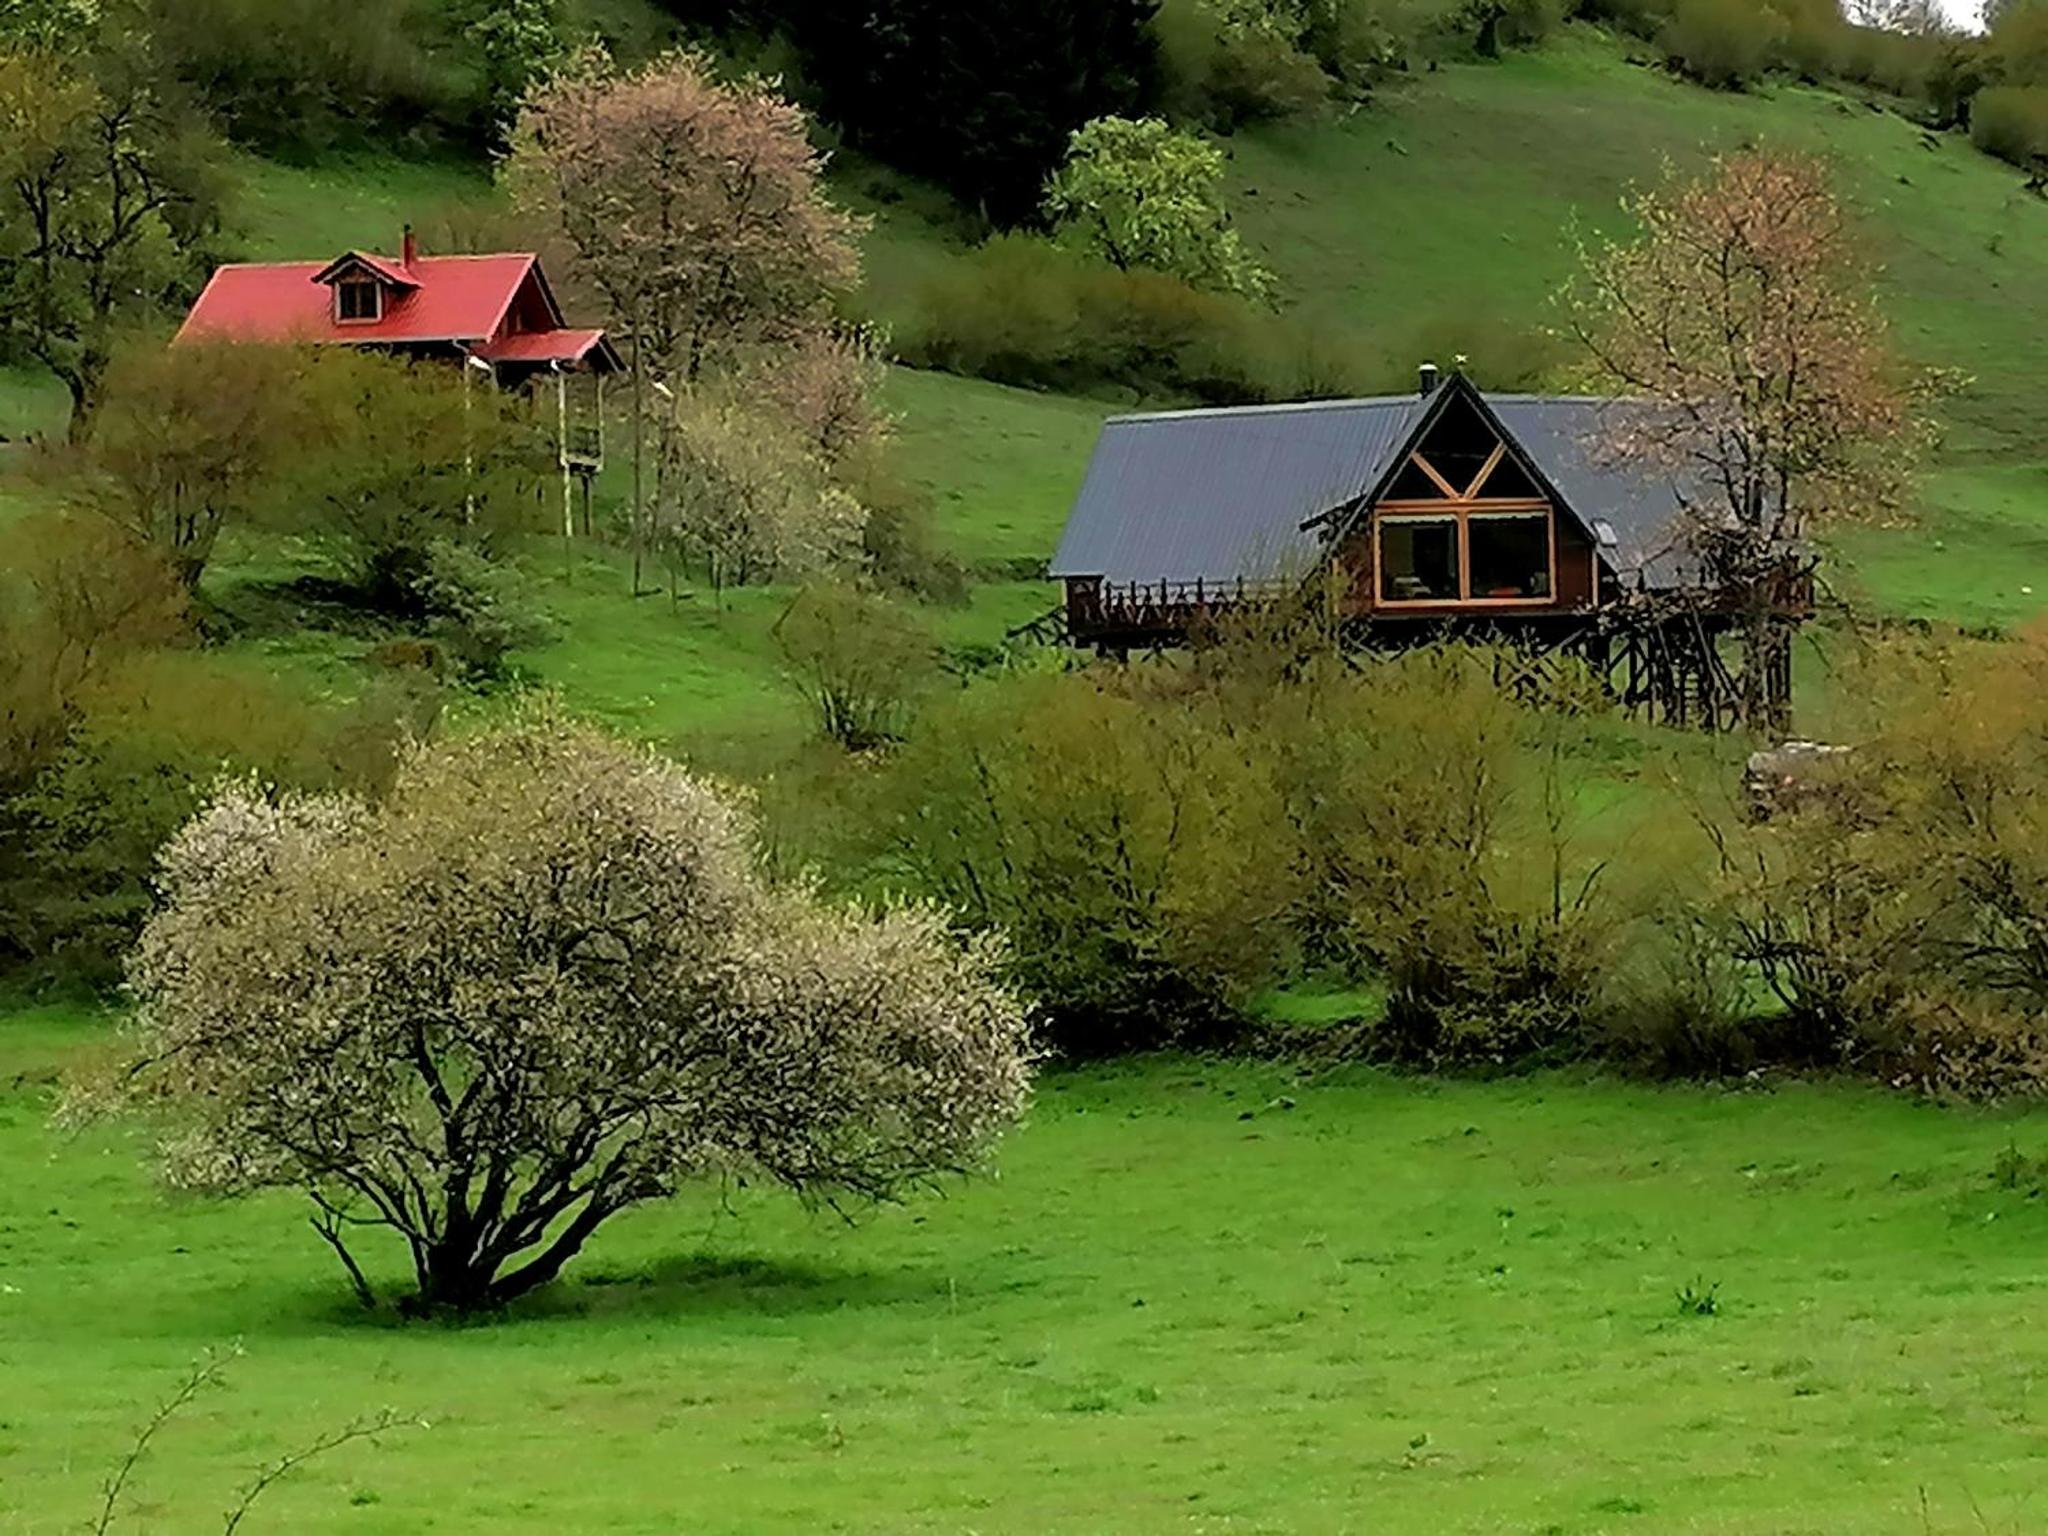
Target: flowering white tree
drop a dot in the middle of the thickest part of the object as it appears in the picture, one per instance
(542, 981)
(745, 495)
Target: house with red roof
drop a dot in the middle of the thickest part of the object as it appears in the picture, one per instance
(492, 313)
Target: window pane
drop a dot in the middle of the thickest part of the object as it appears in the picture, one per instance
(1418, 560)
(1510, 556)
(1459, 444)
(1509, 483)
(358, 301)
(1413, 485)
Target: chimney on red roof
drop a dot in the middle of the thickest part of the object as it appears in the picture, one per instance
(411, 250)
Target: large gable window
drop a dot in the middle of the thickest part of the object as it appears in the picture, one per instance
(1419, 559)
(358, 300)
(1510, 554)
(1463, 522)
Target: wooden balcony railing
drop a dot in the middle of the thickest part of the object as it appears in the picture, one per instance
(1164, 606)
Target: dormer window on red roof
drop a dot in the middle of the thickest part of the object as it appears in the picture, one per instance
(358, 301)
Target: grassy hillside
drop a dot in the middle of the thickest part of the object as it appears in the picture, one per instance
(1437, 220)
(1199, 1298)
(1441, 220)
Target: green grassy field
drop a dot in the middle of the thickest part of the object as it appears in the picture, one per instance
(1182, 1306)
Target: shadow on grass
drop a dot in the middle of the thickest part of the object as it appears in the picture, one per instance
(681, 1286)
(266, 609)
(727, 1285)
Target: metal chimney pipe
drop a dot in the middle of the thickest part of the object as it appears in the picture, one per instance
(409, 250)
(1428, 378)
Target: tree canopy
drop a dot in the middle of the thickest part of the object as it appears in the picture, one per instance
(542, 980)
(1143, 194)
(107, 195)
(696, 207)
(979, 98)
(1743, 328)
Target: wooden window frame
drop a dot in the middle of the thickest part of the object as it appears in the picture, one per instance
(1490, 511)
(1461, 512)
(1439, 513)
(343, 285)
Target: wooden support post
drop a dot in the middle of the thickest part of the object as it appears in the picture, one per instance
(562, 447)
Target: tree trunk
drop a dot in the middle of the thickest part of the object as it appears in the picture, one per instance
(1765, 688)
(639, 460)
(84, 385)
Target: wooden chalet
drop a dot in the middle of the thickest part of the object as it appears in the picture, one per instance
(492, 315)
(1450, 512)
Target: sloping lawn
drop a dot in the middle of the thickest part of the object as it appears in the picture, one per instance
(1198, 1298)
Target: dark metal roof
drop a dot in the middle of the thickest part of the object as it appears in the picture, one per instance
(1560, 434)
(1222, 495)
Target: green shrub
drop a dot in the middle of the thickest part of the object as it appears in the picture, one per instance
(2011, 122)
(78, 596)
(860, 660)
(1229, 82)
(1681, 1002)
(1722, 43)
(283, 74)
(1131, 856)
(1459, 885)
(1021, 311)
(1814, 38)
(146, 749)
(1902, 916)
(409, 459)
(1639, 18)
(1517, 23)
(2018, 45)
(900, 540)
(473, 611)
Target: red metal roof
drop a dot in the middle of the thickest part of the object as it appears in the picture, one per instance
(541, 347)
(458, 299)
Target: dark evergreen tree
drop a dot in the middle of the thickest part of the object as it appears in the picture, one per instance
(979, 98)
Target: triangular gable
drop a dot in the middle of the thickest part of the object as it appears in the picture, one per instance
(1457, 387)
(537, 278)
(370, 266)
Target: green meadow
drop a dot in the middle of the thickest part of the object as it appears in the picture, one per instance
(1195, 1297)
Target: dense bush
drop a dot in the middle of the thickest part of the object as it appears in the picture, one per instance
(472, 611)
(1460, 886)
(1022, 311)
(407, 459)
(2011, 122)
(1228, 79)
(79, 597)
(980, 99)
(190, 439)
(1723, 43)
(147, 745)
(112, 726)
(1161, 843)
(283, 74)
(858, 659)
(1127, 853)
(900, 543)
(1900, 915)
